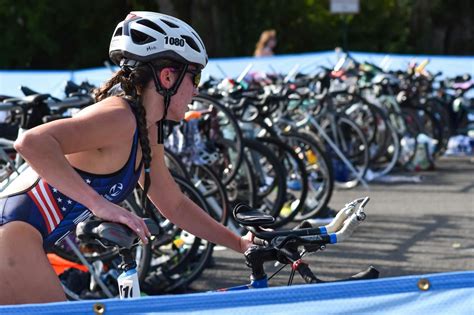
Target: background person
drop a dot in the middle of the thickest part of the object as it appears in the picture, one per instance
(266, 44)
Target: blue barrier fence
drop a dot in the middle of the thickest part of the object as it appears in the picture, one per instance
(54, 81)
(445, 293)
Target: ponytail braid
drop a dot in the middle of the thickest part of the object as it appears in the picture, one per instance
(129, 86)
(145, 145)
(103, 92)
(130, 82)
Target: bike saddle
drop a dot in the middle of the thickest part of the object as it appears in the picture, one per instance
(245, 215)
(36, 98)
(109, 234)
(27, 91)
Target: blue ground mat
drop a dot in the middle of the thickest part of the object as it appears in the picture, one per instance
(444, 293)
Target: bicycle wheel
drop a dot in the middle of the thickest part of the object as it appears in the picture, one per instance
(178, 257)
(408, 137)
(362, 113)
(351, 143)
(241, 189)
(174, 164)
(385, 149)
(270, 177)
(406, 131)
(318, 168)
(392, 149)
(297, 179)
(223, 130)
(440, 113)
(429, 126)
(209, 185)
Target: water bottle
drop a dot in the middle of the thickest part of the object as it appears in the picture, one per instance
(129, 286)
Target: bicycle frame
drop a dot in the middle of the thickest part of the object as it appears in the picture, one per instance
(336, 149)
(308, 119)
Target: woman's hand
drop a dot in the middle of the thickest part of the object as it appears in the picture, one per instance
(111, 212)
(246, 242)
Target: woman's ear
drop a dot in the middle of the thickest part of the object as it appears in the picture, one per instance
(167, 78)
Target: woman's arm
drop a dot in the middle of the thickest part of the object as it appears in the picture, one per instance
(179, 209)
(101, 125)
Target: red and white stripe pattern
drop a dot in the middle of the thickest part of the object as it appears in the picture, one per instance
(44, 200)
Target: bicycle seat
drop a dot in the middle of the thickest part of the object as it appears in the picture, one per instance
(27, 91)
(36, 98)
(109, 234)
(245, 215)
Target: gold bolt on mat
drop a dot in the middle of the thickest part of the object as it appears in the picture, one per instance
(424, 284)
(99, 308)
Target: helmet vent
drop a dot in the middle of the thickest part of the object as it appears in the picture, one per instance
(118, 32)
(195, 35)
(151, 25)
(170, 24)
(141, 38)
(191, 43)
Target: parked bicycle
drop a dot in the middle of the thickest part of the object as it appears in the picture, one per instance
(287, 247)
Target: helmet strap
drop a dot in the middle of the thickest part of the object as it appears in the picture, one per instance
(167, 94)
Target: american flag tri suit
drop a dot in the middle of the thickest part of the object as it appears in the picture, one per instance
(54, 214)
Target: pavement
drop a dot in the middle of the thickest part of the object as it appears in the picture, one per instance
(411, 228)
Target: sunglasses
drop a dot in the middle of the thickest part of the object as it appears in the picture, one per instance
(196, 76)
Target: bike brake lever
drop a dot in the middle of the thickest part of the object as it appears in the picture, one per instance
(360, 211)
(351, 205)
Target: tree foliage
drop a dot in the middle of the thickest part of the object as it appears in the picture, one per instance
(75, 34)
(59, 34)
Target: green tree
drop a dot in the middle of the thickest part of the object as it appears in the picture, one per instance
(59, 34)
(47, 34)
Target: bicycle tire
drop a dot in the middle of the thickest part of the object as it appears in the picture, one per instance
(213, 190)
(177, 275)
(270, 177)
(351, 141)
(229, 132)
(296, 173)
(319, 169)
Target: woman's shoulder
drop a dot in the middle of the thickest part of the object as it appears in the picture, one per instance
(113, 109)
(113, 102)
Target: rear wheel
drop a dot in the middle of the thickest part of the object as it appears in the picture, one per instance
(319, 170)
(296, 179)
(269, 175)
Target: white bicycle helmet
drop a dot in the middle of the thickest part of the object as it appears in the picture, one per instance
(145, 36)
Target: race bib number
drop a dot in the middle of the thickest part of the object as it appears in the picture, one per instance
(126, 290)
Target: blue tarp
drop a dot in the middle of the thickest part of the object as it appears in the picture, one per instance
(54, 81)
(447, 293)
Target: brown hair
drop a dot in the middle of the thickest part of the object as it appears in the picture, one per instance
(265, 37)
